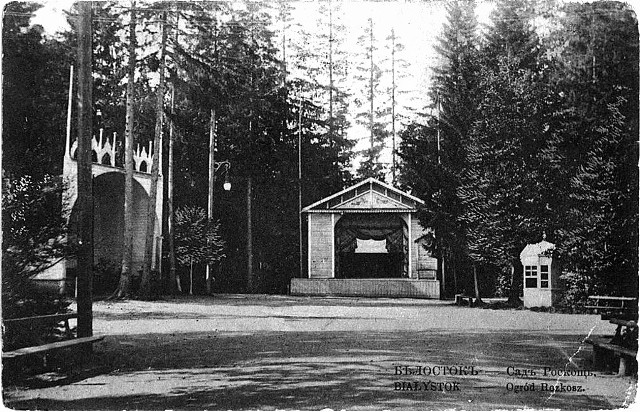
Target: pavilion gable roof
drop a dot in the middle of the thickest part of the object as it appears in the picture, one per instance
(369, 195)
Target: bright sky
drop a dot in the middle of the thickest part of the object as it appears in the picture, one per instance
(417, 25)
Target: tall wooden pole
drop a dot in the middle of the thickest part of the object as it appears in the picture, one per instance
(250, 284)
(393, 105)
(85, 196)
(172, 218)
(300, 181)
(171, 223)
(67, 147)
(212, 178)
(438, 130)
(371, 85)
(331, 73)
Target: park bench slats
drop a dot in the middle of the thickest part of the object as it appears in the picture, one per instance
(618, 350)
(613, 303)
(42, 318)
(462, 299)
(32, 321)
(624, 322)
(32, 350)
(35, 322)
(621, 298)
(621, 311)
(618, 307)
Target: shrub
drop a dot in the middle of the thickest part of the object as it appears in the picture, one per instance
(576, 291)
(197, 239)
(33, 228)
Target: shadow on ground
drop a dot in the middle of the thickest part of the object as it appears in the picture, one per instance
(316, 370)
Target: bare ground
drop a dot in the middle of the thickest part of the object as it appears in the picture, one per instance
(280, 352)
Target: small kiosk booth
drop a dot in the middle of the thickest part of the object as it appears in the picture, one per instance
(541, 275)
(366, 241)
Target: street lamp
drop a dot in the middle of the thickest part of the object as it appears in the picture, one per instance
(226, 186)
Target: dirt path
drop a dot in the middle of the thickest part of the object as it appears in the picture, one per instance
(259, 352)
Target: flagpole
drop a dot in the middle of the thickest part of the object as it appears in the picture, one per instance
(67, 148)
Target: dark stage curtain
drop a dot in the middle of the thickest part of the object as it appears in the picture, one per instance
(365, 227)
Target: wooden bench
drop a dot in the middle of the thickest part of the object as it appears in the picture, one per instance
(34, 322)
(621, 311)
(462, 299)
(605, 353)
(38, 321)
(620, 307)
(33, 350)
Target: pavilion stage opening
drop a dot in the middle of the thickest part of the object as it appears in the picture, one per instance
(371, 246)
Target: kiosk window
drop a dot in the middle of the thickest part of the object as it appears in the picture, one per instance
(544, 276)
(531, 276)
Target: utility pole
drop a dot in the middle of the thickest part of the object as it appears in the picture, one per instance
(300, 179)
(172, 217)
(212, 178)
(393, 105)
(371, 84)
(438, 110)
(67, 147)
(250, 285)
(85, 179)
(331, 72)
(176, 285)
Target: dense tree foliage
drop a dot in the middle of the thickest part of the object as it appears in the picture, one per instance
(33, 240)
(221, 59)
(35, 73)
(537, 138)
(533, 126)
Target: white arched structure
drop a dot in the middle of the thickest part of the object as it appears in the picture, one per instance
(108, 185)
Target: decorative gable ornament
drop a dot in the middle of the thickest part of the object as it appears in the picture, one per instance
(368, 196)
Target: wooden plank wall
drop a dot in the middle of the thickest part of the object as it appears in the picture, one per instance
(320, 246)
(409, 288)
(416, 232)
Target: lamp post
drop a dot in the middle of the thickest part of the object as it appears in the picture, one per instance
(213, 169)
(226, 186)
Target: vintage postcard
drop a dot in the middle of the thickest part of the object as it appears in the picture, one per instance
(330, 205)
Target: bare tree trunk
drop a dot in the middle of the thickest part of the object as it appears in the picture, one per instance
(124, 286)
(443, 255)
(514, 290)
(173, 277)
(85, 195)
(455, 276)
(191, 277)
(475, 283)
(250, 280)
(149, 263)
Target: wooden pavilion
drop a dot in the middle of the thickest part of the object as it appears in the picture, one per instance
(366, 241)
